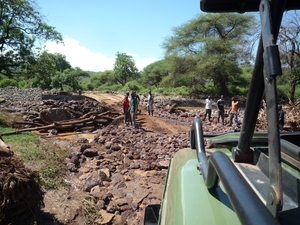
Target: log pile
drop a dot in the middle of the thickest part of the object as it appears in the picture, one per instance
(22, 197)
(67, 116)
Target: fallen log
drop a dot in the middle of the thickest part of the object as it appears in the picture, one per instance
(29, 129)
(15, 123)
(64, 125)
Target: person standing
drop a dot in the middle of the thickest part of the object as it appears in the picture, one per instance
(234, 111)
(132, 108)
(280, 117)
(150, 103)
(208, 107)
(220, 105)
(137, 111)
(125, 104)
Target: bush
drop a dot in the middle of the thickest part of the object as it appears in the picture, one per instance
(90, 87)
(132, 86)
(115, 87)
(8, 83)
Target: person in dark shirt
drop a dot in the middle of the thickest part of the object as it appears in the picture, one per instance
(137, 110)
(280, 117)
(220, 105)
(132, 108)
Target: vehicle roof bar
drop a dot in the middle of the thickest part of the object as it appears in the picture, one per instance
(268, 54)
(247, 205)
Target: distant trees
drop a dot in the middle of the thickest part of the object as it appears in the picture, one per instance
(154, 73)
(21, 25)
(207, 50)
(69, 79)
(124, 68)
(289, 44)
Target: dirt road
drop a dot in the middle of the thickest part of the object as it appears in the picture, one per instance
(151, 124)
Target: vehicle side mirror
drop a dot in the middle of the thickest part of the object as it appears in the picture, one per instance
(151, 214)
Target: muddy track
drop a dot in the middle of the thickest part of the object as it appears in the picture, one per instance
(151, 124)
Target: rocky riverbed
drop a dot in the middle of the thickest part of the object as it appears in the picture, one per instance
(119, 170)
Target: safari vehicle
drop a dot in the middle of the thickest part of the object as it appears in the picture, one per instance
(247, 177)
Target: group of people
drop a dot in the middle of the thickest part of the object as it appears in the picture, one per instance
(234, 111)
(130, 107)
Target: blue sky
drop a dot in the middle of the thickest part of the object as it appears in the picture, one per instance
(95, 30)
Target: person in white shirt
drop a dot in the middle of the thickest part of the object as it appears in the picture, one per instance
(208, 106)
(150, 107)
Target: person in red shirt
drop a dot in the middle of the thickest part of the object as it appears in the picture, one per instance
(125, 103)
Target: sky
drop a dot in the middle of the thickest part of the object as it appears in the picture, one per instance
(95, 30)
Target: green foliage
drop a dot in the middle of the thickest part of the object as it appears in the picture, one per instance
(153, 74)
(125, 69)
(90, 87)
(43, 154)
(68, 79)
(289, 41)
(132, 86)
(114, 87)
(3, 122)
(104, 79)
(8, 82)
(207, 49)
(21, 25)
(184, 91)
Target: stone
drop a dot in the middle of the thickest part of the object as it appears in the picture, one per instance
(90, 152)
(106, 218)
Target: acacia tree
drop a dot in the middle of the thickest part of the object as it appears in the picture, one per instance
(153, 73)
(124, 68)
(21, 25)
(289, 44)
(41, 71)
(213, 42)
(69, 79)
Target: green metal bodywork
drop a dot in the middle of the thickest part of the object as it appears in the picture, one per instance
(188, 201)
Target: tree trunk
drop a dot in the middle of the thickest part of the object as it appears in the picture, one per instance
(292, 88)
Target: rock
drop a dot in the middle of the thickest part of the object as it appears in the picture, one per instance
(54, 114)
(82, 140)
(90, 152)
(119, 220)
(106, 172)
(108, 145)
(134, 165)
(115, 147)
(75, 160)
(71, 167)
(100, 204)
(84, 147)
(112, 207)
(91, 181)
(106, 218)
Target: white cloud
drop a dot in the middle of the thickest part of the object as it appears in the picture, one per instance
(141, 63)
(82, 57)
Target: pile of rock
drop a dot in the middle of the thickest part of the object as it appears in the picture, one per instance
(110, 169)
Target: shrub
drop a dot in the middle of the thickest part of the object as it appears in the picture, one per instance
(8, 83)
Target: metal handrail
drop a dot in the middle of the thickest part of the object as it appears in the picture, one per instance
(247, 205)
